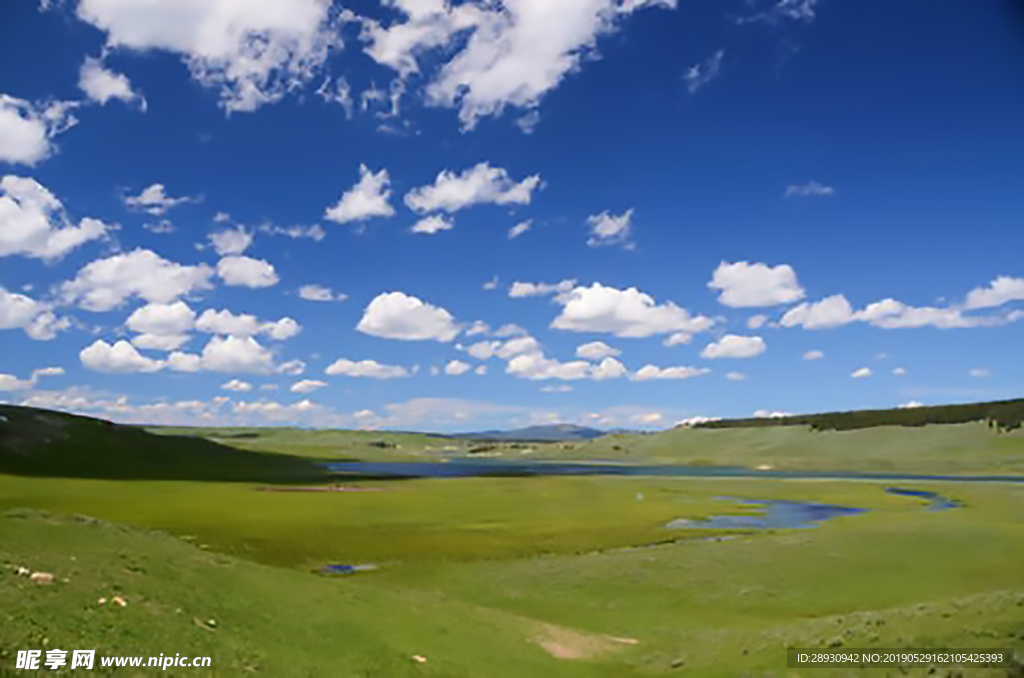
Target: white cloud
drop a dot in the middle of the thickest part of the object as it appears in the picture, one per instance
(47, 372)
(813, 355)
(307, 386)
(755, 322)
(36, 318)
(319, 293)
(608, 368)
(162, 319)
(27, 129)
(254, 53)
(395, 315)
(491, 284)
(433, 224)
(366, 368)
(810, 189)
(242, 271)
(456, 367)
(104, 284)
(509, 330)
(559, 388)
(315, 232)
(120, 357)
(899, 371)
(649, 372)
(979, 372)
(734, 346)
(624, 313)
(535, 365)
(224, 322)
(162, 227)
(340, 93)
(608, 229)
(481, 184)
(236, 354)
(184, 362)
(33, 223)
(909, 405)
(745, 285)
(519, 229)
(771, 414)
(596, 350)
(292, 368)
(101, 84)
(480, 370)
(154, 201)
(525, 289)
(367, 199)
(736, 376)
(9, 382)
(502, 54)
(697, 419)
(699, 75)
(517, 346)
(483, 350)
(830, 312)
(231, 241)
(1002, 290)
(478, 327)
(678, 338)
(160, 342)
(861, 373)
(236, 385)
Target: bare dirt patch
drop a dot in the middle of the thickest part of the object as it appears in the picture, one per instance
(566, 643)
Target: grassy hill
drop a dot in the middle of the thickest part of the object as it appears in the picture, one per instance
(36, 442)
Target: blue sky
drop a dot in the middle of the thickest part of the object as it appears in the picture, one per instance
(448, 216)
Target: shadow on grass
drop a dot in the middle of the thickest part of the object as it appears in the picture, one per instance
(42, 443)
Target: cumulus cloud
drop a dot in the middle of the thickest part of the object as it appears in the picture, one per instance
(478, 327)
(163, 327)
(734, 346)
(526, 289)
(1002, 290)
(745, 285)
(366, 368)
(899, 371)
(455, 368)
(35, 318)
(910, 404)
(121, 357)
(319, 293)
(519, 229)
(701, 74)
(736, 376)
(481, 184)
(979, 372)
(242, 271)
(496, 55)
(560, 388)
(396, 315)
(231, 241)
(226, 354)
(624, 313)
(27, 129)
(224, 322)
(367, 199)
(861, 373)
(836, 311)
(771, 414)
(608, 229)
(315, 232)
(153, 200)
(253, 53)
(307, 386)
(106, 283)
(755, 322)
(101, 84)
(535, 365)
(813, 355)
(33, 223)
(432, 224)
(596, 350)
(810, 189)
(236, 385)
(649, 372)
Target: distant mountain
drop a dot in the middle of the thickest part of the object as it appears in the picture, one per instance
(551, 433)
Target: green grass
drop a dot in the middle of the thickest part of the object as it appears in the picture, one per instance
(476, 573)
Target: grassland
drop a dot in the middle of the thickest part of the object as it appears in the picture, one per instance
(558, 576)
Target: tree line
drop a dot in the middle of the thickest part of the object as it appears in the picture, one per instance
(1002, 415)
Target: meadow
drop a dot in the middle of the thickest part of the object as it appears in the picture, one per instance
(538, 576)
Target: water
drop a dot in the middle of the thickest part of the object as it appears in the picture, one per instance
(470, 468)
(936, 502)
(773, 514)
